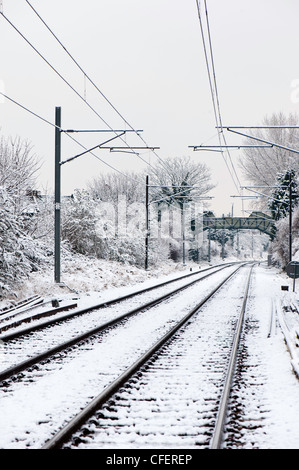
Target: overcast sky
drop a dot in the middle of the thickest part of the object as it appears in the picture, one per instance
(146, 57)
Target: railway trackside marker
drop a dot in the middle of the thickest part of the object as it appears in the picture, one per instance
(292, 271)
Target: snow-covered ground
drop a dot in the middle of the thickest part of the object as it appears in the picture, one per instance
(268, 389)
(275, 402)
(90, 277)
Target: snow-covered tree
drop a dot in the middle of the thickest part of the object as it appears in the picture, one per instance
(111, 187)
(286, 187)
(19, 254)
(178, 183)
(261, 165)
(18, 169)
(280, 245)
(79, 223)
(179, 180)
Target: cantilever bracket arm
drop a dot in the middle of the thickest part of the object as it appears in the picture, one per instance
(93, 148)
(262, 140)
(124, 149)
(217, 148)
(69, 131)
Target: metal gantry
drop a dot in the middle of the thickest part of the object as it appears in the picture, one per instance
(267, 144)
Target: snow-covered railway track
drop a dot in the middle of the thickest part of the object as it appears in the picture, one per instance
(36, 405)
(25, 351)
(171, 396)
(35, 324)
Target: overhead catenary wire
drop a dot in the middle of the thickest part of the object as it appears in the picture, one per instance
(221, 135)
(83, 98)
(214, 89)
(88, 78)
(127, 176)
(68, 83)
(65, 132)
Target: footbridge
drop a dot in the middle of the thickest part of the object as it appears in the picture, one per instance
(256, 221)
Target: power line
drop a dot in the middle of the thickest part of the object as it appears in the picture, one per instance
(212, 62)
(67, 82)
(74, 90)
(207, 61)
(26, 109)
(127, 176)
(214, 89)
(210, 81)
(66, 132)
(78, 65)
(87, 77)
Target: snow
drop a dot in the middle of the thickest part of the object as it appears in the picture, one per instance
(91, 277)
(274, 403)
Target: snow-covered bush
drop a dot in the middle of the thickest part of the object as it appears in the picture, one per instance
(19, 253)
(126, 250)
(79, 222)
(92, 227)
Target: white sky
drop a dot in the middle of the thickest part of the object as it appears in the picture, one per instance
(146, 56)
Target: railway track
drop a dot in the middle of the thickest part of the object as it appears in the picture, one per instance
(27, 316)
(135, 408)
(15, 343)
(116, 347)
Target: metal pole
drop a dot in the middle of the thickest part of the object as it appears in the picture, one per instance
(57, 198)
(146, 221)
(290, 221)
(183, 232)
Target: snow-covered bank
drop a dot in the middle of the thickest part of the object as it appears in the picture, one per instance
(92, 277)
(85, 275)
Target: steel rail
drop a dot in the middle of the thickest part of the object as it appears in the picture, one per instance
(35, 299)
(70, 428)
(222, 411)
(36, 316)
(104, 304)
(11, 371)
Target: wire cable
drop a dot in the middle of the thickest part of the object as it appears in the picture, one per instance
(65, 132)
(77, 93)
(68, 84)
(87, 77)
(215, 102)
(127, 176)
(216, 89)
